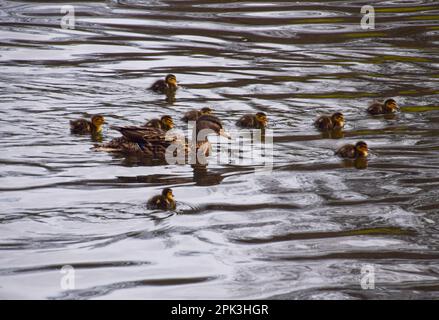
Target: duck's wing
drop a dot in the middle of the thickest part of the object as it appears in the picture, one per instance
(210, 118)
(347, 151)
(375, 108)
(323, 122)
(246, 121)
(155, 123)
(191, 115)
(80, 126)
(142, 134)
(159, 86)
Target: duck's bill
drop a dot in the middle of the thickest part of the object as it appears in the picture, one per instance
(225, 134)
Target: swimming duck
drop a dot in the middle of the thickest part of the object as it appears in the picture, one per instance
(389, 106)
(165, 123)
(168, 85)
(153, 143)
(359, 150)
(164, 201)
(255, 121)
(333, 122)
(193, 115)
(84, 126)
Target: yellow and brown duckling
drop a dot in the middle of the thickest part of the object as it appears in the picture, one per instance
(253, 121)
(350, 151)
(84, 126)
(165, 123)
(164, 201)
(388, 107)
(168, 85)
(193, 115)
(333, 122)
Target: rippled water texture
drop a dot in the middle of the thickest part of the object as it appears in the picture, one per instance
(303, 231)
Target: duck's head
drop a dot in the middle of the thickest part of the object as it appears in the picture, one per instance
(208, 124)
(391, 105)
(167, 193)
(338, 119)
(262, 119)
(362, 149)
(205, 111)
(171, 80)
(167, 122)
(98, 121)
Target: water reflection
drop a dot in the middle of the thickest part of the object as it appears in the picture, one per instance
(359, 163)
(202, 177)
(300, 230)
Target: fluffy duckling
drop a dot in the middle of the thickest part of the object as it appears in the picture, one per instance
(165, 123)
(389, 106)
(193, 115)
(333, 122)
(164, 201)
(254, 121)
(83, 126)
(350, 151)
(168, 85)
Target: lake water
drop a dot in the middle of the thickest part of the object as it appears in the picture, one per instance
(309, 229)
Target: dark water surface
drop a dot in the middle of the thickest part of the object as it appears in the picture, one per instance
(303, 231)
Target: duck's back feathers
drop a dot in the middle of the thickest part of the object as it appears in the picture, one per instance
(160, 202)
(154, 123)
(376, 108)
(246, 121)
(347, 151)
(80, 126)
(324, 123)
(191, 115)
(159, 86)
(142, 134)
(150, 142)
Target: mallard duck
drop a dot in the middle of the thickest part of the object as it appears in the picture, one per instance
(165, 123)
(193, 115)
(84, 126)
(333, 122)
(255, 121)
(389, 106)
(153, 143)
(164, 201)
(168, 85)
(350, 151)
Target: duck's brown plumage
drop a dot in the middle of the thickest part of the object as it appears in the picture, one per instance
(193, 115)
(164, 201)
(148, 142)
(351, 151)
(154, 142)
(84, 126)
(387, 107)
(333, 122)
(165, 123)
(166, 86)
(252, 121)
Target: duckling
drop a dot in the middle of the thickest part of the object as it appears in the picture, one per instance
(165, 123)
(359, 150)
(255, 121)
(193, 115)
(333, 122)
(164, 201)
(389, 106)
(168, 85)
(83, 126)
